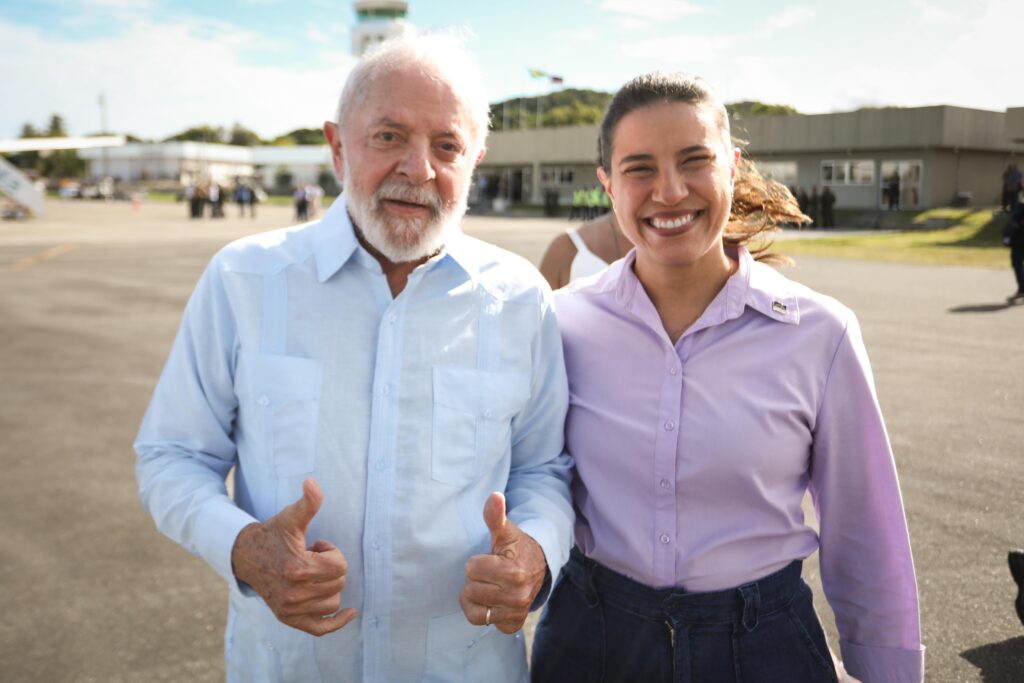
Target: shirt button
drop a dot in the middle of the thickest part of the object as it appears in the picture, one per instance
(392, 318)
(381, 465)
(374, 622)
(664, 538)
(673, 370)
(663, 483)
(488, 414)
(263, 401)
(386, 390)
(376, 544)
(670, 425)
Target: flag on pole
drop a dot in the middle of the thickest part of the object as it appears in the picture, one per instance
(537, 73)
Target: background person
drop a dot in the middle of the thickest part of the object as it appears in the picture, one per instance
(828, 202)
(708, 393)
(580, 252)
(1011, 187)
(1014, 239)
(392, 395)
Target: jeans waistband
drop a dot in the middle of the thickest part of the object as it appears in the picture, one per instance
(742, 604)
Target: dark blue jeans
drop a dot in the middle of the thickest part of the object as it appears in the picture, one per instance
(602, 626)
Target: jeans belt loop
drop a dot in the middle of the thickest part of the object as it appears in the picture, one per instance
(751, 602)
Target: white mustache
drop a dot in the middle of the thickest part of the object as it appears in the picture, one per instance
(409, 193)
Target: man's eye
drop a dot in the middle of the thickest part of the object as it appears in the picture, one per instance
(637, 170)
(450, 148)
(387, 136)
(696, 161)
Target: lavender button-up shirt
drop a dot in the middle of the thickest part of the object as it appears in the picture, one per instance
(693, 458)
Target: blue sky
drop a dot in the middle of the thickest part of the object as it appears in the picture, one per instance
(275, 65)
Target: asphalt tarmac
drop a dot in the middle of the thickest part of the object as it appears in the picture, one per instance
(91, 295)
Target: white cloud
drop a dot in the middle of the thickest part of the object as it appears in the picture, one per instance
(930, 12)
(328, 34)
(652, 10)
(789, 18)
(160, 77)
(675, 52)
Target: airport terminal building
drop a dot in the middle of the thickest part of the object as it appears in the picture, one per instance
(941, 154)
(184, 163)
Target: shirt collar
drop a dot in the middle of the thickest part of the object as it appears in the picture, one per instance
(463, 251)
(335, 244)
(334, 240)
(754, 285)
(766, 290)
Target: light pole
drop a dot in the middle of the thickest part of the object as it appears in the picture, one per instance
(103, 125)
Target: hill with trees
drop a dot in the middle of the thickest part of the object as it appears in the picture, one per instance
(578, 107)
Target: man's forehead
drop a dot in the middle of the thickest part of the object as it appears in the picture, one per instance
(406, 99)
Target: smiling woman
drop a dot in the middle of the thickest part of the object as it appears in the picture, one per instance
(708, 394)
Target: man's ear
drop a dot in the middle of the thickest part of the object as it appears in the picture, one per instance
(333, 136)
(606, 182)
(480, 157)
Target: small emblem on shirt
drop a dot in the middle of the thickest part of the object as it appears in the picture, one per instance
(779, 307)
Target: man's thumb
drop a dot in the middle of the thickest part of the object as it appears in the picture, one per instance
(494, 518)
(299, 514)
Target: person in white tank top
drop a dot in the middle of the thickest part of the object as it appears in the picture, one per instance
(583, 251)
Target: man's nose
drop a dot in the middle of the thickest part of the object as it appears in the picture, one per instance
(670, 188)
(416, 165)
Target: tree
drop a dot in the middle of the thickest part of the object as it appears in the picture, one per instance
(569, 107)
(300, 136)
(203, 133)
(748, 108)
(56, 129)
(327, 180)
(283, 180)
(240, 135)
(63, 163)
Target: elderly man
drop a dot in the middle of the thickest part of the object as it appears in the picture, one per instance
(373, 377)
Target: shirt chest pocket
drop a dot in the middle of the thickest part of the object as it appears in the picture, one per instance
(283, 393)
(472, 421)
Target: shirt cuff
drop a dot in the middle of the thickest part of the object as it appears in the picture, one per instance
(215, 531)
(544, 534)
(883, 664)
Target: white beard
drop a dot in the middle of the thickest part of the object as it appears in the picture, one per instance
(401, 240)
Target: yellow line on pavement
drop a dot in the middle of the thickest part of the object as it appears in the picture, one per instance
(29, 261)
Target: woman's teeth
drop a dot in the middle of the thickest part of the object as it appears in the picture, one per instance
(671, 224)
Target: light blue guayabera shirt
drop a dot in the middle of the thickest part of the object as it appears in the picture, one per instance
(293, 360)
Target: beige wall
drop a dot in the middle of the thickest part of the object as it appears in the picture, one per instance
(568, 145)
(938, 136)
(1014, 124)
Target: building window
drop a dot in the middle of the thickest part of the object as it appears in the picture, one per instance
(848, 172)
(364, 14)
(557, 176)
(900, 185)
(780, 171)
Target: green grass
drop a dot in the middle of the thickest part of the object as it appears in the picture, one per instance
(972, 239)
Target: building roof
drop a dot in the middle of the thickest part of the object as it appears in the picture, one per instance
(863, 131)
(940, 126)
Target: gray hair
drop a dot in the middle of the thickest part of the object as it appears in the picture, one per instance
(655, 88)
(441, 56)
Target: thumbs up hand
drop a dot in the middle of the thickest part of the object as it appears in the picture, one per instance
(500, 587)
(301, 585)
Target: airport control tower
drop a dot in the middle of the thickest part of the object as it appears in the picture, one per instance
(378, 20)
